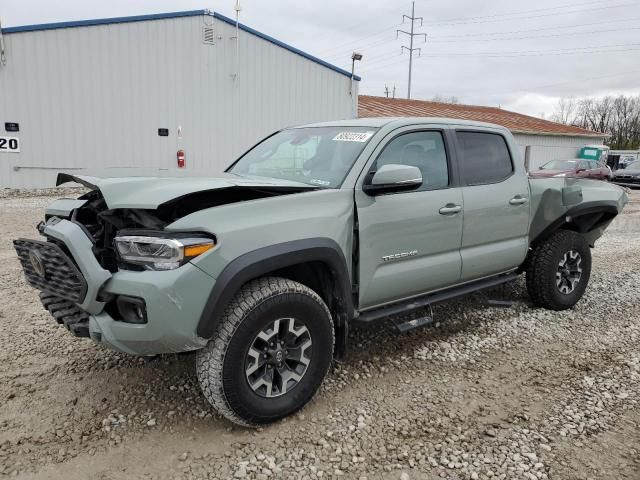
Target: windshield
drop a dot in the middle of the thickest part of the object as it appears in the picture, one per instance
(633, 166)
(319, 156)
(560, 165)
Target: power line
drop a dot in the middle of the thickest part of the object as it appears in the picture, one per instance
(337, 52)
(566, 34)
(355, 27)
(587, 53)
(573, 82)
(342, 55)
(513, 54)
(525, 15)
(385, 56)
(411, 34)
(464, 35)
(556, 84)
(537, 52)
(359, 39)
(532, 54)
(381, 61)
(526, 12)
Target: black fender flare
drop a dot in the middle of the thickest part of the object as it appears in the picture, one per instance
(259, 262)
(595, 210)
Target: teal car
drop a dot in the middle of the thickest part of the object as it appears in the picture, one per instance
(315, 230)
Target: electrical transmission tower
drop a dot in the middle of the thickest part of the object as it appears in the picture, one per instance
(388, 92)
(411, 35)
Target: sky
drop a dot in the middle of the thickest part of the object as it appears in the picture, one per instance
(521, 56)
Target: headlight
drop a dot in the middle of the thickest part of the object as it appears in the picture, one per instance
(159, 253)
(560, 175)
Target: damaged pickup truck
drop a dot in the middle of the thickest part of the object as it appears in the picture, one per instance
(314, 230)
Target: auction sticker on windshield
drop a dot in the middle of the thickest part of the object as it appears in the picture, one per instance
(353, 136)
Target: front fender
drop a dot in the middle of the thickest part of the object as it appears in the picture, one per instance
(262, 261)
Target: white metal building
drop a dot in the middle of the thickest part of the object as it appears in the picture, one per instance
(548, 140)
(121, 96)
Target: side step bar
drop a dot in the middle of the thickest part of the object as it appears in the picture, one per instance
(408, 325)
(370, 316)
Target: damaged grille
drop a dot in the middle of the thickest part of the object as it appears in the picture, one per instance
(66, 313)
(48, 268)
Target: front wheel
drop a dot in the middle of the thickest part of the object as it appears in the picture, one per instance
(558, 271)
(270, 354)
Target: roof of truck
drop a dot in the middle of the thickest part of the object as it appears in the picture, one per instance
(369, 106)
(378, 122)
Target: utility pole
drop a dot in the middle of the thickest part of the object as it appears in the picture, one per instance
(387, 91)
(411, 34)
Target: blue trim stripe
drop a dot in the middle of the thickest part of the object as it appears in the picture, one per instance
(270, 39)
(189, 13)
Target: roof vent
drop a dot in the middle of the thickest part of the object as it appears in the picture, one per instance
(208, 36)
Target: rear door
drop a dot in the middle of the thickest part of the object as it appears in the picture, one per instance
(603, 170)
(496, 204)
(587, 169)
(409, 242)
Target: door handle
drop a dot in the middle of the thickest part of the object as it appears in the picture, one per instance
(518, 200)
(450, 209)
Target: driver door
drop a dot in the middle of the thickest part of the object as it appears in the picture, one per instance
(409, 242)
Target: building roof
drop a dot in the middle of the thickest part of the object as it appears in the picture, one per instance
(369, 106)
(188, 13)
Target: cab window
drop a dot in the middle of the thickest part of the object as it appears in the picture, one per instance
(484, 157)
(424, 150)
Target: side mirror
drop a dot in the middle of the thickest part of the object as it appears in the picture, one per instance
(580, 170)
(393, 178)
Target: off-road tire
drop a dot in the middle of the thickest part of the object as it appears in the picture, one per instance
(542, 267)
(220, 365)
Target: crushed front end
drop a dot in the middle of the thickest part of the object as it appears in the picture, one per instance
(86, 287)
(113, 267)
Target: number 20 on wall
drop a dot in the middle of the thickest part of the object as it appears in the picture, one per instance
(9, 144)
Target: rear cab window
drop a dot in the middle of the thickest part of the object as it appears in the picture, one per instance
(484, 157)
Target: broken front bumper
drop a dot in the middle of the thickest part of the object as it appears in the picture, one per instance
(174, 299)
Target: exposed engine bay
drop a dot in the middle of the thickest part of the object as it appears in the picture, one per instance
(102, 223)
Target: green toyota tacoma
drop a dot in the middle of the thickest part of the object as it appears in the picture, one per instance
(315, 230)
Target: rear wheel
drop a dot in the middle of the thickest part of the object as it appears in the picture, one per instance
(558, 270)
(270, 354)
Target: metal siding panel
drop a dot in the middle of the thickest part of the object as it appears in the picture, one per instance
(93, 98)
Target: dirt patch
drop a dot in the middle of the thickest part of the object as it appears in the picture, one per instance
(490, 392)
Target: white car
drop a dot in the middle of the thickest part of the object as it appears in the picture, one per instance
(625, 161)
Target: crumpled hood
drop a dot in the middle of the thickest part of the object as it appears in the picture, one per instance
(151, 192)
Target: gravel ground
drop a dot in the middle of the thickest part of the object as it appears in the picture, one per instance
(489, 392)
